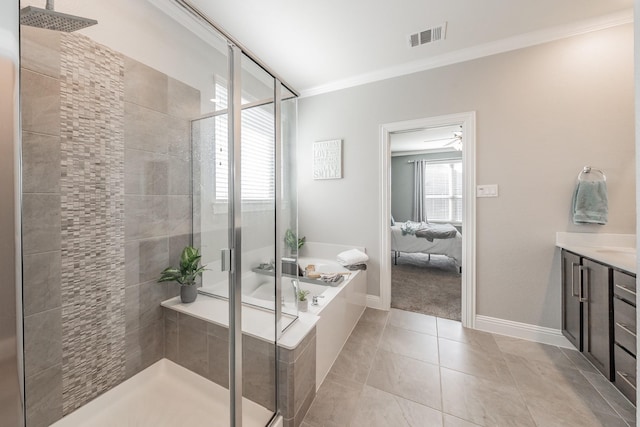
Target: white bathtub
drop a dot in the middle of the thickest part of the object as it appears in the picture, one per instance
(338, 310)
(339, 307)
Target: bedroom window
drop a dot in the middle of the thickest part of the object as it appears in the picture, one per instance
(443, 191)
(258, 155)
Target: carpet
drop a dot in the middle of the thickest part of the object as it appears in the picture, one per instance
(432, 287)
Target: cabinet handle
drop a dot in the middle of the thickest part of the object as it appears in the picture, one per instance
(626, 328)
(625, 377)
(573, 279)
(624, 288)
(582, 270)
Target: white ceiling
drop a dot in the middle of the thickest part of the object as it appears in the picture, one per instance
(317, 46)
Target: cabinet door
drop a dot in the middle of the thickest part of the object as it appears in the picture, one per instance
(597, 315)
(571, 305)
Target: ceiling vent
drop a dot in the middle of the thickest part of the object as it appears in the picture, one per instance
(430, 35)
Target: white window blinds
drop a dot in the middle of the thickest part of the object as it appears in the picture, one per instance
(258, 152)
(443, 191)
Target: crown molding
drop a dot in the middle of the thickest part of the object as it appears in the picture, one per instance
(500, 46)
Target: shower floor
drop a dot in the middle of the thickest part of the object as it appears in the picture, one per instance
(164, 395)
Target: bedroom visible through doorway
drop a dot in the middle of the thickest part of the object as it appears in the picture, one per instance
(465, 121)
(426, 220)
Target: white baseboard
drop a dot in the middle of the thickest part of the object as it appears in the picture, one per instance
(522, 330)
(374, 301)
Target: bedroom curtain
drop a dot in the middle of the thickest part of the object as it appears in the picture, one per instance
(419, 208)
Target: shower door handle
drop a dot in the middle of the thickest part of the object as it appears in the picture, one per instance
(226, 259)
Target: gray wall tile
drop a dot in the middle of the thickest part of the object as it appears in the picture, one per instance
(145, 129)
(192, 349)
(40, 50)
(218, 348)
(145, 86)
(40, 103)
(259, 373)
(176, 244)
(145, 172)
(41, 282)
(304, 372)
(170, 336)
(42, 341)
(40, 163)
(142, 305)
(40, 223)
(154, 257)
(179, 215)
(44, 397)
(179, 176)
(146, 216)
(178, 134)
(144, 347)
(189, 322)
(184, 100)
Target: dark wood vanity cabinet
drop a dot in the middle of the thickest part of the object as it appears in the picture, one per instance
(571, 305)
(624, 348)
(599, 317)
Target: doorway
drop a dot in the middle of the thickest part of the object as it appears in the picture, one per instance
(426, 220)
(465, 124)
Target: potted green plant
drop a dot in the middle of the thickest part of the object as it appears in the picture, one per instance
(185, 275)
(292, 241)
(303, 302)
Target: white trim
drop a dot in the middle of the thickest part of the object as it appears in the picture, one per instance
(492, 48)
(374, 301)
(468, 122)
(522, 330)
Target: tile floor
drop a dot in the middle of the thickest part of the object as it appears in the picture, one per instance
(401, 368)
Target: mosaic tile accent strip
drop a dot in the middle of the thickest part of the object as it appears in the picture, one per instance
(92, 198)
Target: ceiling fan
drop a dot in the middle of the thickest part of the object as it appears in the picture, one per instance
(455, 141)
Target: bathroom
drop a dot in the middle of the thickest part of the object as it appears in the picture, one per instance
(162, 103)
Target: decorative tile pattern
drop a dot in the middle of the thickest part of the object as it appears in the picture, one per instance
(92, 199)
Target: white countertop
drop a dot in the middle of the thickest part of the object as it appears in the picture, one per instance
(616, 250)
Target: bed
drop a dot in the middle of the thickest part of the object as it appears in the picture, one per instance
(409, 243)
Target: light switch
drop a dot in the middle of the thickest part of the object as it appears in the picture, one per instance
(487, 190)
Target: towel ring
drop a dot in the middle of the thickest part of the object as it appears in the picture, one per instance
(589, 173)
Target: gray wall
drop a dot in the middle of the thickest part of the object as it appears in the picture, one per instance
(542, 113)
(106, 206)
(402, 182)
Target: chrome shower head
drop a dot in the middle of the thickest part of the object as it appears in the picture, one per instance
(52, 20)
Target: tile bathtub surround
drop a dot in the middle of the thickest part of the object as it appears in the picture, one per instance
(90, 319)
(203, 348)
(477, 379)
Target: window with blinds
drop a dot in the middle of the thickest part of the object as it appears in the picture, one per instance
(443, 191)
(258, 152)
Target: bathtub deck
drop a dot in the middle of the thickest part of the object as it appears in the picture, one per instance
(164, 395)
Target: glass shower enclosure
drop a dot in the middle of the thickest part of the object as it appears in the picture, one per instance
(143, 133)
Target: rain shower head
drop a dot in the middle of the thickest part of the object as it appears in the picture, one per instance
(52, 20)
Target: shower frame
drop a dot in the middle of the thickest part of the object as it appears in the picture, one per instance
(234, 251)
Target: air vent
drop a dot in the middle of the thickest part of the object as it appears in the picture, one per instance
(430, 35)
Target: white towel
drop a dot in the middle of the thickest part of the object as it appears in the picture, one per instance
(352, 256)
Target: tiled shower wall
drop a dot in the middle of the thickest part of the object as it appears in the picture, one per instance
(106, 206)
